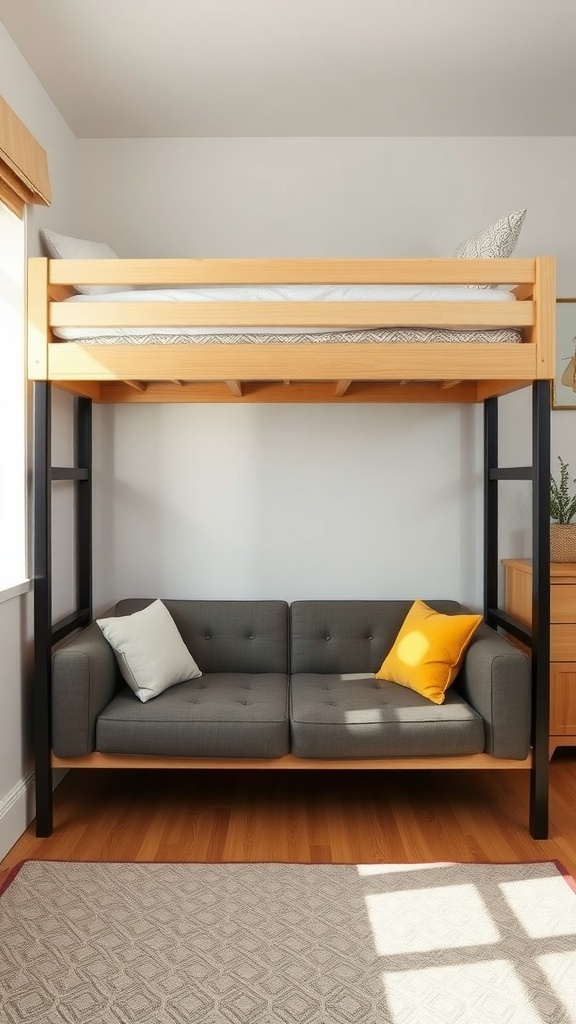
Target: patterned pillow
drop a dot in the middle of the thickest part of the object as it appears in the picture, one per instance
(494, 242)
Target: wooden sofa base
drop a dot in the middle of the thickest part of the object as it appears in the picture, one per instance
(96, 760)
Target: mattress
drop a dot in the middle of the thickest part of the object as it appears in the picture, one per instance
(374, 334)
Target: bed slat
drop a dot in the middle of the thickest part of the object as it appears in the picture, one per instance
(164, 272)
(337, 315)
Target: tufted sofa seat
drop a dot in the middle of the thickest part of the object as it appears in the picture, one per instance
(237, 708)
(299, 680)
(339, 710)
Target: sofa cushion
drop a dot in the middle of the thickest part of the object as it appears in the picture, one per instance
(354, 715)
(228, 636)
(221, 715)
(347, 636)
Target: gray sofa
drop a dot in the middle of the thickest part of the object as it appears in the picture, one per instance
(296, 680)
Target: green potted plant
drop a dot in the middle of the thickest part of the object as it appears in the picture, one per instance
(562, 512)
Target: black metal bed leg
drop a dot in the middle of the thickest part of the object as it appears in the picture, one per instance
(42, 608)
(84, 508)
(45, 632)
(539, 775)
(539, 636)
(490, 509)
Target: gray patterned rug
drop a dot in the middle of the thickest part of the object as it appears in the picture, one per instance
(289, 943)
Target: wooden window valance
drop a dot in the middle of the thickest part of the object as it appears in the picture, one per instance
(23, 164)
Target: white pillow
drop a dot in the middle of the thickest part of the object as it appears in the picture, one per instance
(494, 242)
(63, 247)
(150, 652)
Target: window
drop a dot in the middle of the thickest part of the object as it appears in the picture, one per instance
(12, 401)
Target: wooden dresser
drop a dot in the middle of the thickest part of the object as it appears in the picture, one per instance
(518, 602)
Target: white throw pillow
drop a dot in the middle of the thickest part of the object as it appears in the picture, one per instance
(494, 242)
(63, 247)
(150, 652)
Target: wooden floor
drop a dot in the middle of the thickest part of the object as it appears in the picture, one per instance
(346, 817)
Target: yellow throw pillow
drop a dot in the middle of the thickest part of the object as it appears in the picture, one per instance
(428, 651)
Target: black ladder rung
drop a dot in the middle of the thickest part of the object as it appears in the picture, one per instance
(68, 624)
(65, 473)
(513, 626)
(511, 473)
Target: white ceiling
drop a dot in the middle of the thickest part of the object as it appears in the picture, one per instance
(161, 68)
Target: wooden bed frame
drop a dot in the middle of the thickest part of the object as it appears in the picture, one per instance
(432, 372)
(339, 373)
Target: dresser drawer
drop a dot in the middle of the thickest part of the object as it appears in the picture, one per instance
(563, 641)
(563, 602)
(562, 638)
(563, 700)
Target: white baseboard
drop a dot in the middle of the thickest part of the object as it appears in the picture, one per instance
(17, 809)
(16, 812)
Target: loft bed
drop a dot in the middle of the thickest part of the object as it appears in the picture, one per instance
(342, 370)
(192, 344)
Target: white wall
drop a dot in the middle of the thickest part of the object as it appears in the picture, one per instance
(297, 501)
(289, 501)
(21, 89)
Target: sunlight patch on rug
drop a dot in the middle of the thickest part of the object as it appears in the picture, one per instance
(539, 906)
(419, 921)
(482, 993)
(392, 869)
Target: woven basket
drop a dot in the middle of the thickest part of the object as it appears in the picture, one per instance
(563, 542)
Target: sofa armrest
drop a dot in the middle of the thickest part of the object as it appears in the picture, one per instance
(495, 679)
(85, 678)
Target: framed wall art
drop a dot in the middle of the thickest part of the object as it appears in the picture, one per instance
(563, 389)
